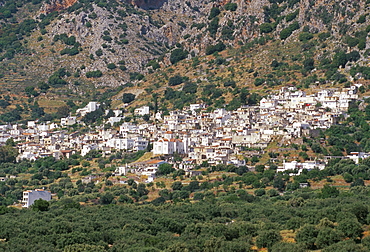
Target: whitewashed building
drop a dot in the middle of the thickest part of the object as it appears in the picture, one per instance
(144, 110)
(90, 107)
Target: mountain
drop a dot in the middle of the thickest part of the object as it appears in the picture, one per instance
(208, 51)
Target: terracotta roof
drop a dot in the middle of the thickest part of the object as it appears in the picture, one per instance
(154, 161)
(66, 151)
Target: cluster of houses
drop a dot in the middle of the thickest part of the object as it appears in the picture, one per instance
(217, 137)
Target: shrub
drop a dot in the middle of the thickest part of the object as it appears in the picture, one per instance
(56, 80)
(111, 66)
(215, 48)
(285, 33)
(198, 26)
(94, 74)
(266, 28)
(227, 33)
(259, 81)
(175, 80)
(324, 35)
(230, 83)
(4, 104)
(353, 56)
(361, 44)
(351, 41)
(305, 36)
(260, 192)
(154, 64)
(70, 51)
(177, 55)
(362, 19)
(308, 64)
(231, 6)
(99, 52)
(291, 16)
(213, 26)
(93, 15)
(214, 12)
(136, 76)
(128, 97)
(190, 88)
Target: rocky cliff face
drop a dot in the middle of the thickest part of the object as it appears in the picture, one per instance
(56, 5)
(145, 30)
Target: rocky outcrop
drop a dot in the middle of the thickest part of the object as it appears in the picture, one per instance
(135, 36)
(56, 5)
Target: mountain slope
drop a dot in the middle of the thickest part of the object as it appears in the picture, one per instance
(106, 44)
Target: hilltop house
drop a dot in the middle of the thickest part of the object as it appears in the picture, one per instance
(142, 111)
(91, 107)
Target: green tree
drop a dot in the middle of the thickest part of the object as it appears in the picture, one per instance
(260, 192)
(267, 238)
(10, 142)
(215, 48)
(328, 236)
(272, 193)
(4, 104)
(213, 26)
(345, 246)
(30, 91)
(361, 212)
(128, 97)
(106, 198)
(94, 74)
(142, 190)
(193, 186)
(63, 111)
(231, 6)
(266, 28)
(339, 59)
(259, 168)
(164, 169)
(99, 52)
(305, 36)
(177, 185)
(358, 182)
(279, 183)
(111, 66)
(177, 55)
(214, 12)
(351, 228)
(83, 248)
(329, 192)
(285, 246)
(40, 205)
(307, 236)
(8, 154)
(175, 80)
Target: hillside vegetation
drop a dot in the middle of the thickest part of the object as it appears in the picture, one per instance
(217, 53)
